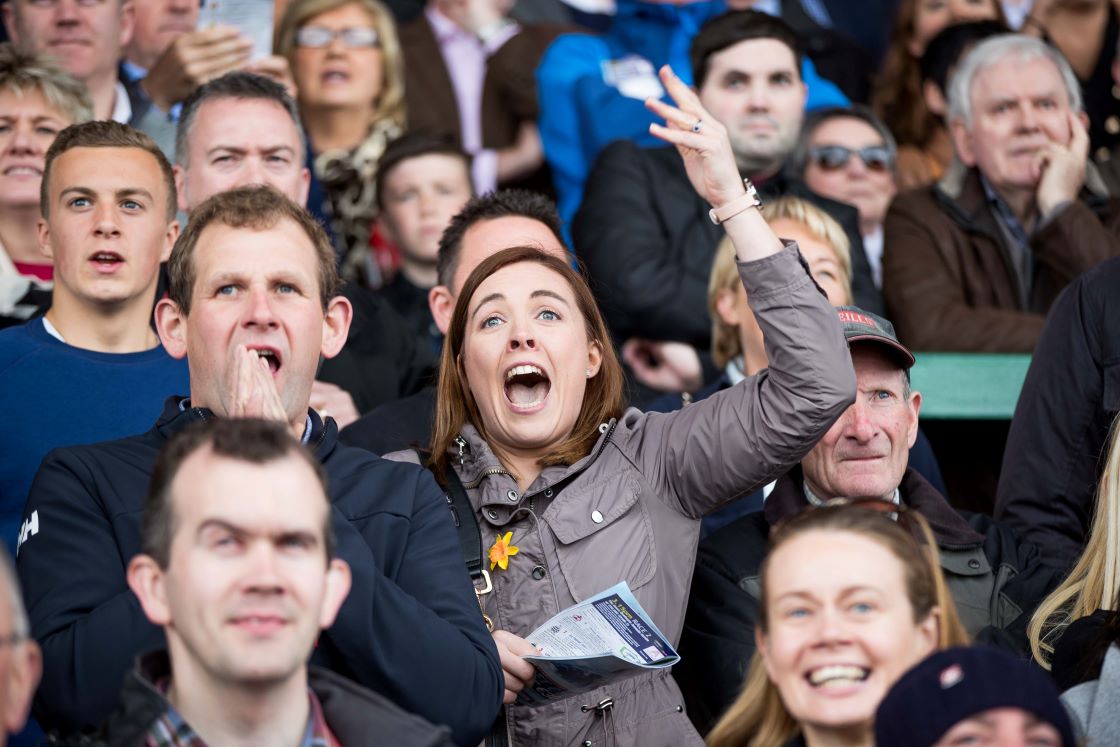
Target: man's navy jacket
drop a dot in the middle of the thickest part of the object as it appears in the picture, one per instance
(410, 628)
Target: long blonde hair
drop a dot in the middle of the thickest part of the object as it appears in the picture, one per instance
(758, 718)
(1092, 584)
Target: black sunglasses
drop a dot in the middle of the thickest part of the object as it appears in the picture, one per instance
(876, 158)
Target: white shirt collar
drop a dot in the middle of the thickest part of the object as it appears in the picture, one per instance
(122, 107)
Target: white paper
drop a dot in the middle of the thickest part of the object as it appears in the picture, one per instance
(253, 18)
(605, 638)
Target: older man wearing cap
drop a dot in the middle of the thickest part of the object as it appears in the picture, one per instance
(995, 580)
(975, 695)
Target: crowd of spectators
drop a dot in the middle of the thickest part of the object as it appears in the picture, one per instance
(333, 370)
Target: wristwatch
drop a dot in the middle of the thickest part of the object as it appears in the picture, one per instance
(743, 202)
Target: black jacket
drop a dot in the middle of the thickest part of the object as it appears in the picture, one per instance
(1056, 448)
(410, 628)
(996, 582)
(395, 426)
(353, 713)
(649, 244)
(382, 360)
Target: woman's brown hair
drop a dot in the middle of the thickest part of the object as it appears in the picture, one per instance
(758, 718)
(897, 97)
(455, 406)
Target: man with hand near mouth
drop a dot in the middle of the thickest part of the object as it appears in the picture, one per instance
(253, 305)
(243, 129)
(93, 368)
(242, 589)
(974, 262)
(995, 580)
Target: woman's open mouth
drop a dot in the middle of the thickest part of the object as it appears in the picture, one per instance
(526, 387)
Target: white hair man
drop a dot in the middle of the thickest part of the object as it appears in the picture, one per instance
(974, 262)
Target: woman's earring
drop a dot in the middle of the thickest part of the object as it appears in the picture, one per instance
(589, 373)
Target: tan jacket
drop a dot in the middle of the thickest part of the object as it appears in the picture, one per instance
(630, 510)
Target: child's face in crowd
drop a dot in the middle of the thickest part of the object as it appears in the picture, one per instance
(421, 196)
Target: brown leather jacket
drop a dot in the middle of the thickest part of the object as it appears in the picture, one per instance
(947, 276)
(631, 509)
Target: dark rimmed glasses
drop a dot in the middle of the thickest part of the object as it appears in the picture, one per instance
(353, 37)
(877, 158)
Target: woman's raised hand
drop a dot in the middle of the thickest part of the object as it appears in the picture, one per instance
(700, 139)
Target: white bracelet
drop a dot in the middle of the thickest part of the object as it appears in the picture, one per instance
(745, 201)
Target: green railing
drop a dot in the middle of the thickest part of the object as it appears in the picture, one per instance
(969, 386)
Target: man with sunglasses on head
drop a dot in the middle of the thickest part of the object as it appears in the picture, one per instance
(995, 580)
(646, 236)
(974, 262)
(847, 154)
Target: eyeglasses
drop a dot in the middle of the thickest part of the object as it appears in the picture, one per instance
(876, 158)
(354, 37)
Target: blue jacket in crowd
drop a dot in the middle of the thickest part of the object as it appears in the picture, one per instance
(410, 628)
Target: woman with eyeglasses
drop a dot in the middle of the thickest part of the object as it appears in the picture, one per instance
(848, 155)
(347, 66)
(849, 601)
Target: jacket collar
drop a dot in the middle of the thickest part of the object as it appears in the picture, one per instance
(477, 460)
(351, 711)
(178, 414)
(961, 185)
(949, 528)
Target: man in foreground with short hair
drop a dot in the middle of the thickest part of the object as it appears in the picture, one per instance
(252, 304)
(995, 580)
(92, 368)
(485, 225)
(242, 588)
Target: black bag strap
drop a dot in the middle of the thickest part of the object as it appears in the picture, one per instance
(462, 513)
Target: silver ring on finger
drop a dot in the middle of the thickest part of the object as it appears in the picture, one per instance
(696, 125)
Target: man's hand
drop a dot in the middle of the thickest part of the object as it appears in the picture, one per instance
(518, 672)
(525, 156)
(191, 60)
(664, 366)
(328, 399)
(1062, 169)
(275, 67)
(254, 389)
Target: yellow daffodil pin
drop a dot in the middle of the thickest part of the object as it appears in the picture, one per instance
(501, 551)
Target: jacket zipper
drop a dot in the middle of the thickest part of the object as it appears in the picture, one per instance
(491, 471)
